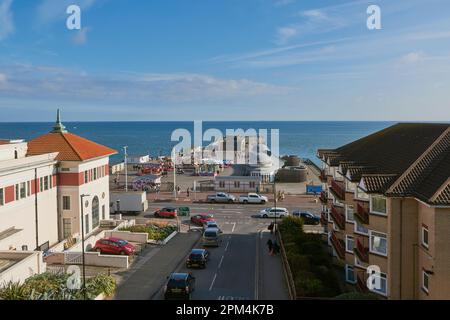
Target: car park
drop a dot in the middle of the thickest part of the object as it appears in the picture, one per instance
(179, 286)
(197, 258)
(202, 218)
(167, 212)
(114, 246)
(273, 212)
(308, 218)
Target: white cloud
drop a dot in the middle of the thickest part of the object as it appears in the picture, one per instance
(284, 34)
(3, 78)
(281, 3)
(412, 57)
(6, 19)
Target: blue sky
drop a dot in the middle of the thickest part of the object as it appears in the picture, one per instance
(225, 60)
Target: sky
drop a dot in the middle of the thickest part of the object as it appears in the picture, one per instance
(225, 60)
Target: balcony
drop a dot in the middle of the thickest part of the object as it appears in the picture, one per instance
(362, 214)
(338, 245)
(323, 219)
(338, 189)
(323, 197)
(361, 285)
(338, 216)
(361, 250)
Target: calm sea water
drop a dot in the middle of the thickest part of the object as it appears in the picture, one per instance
(296, 138)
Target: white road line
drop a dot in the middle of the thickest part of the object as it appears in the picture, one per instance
(212, 283)
(220, 263)
(234, 226)
(226, 247)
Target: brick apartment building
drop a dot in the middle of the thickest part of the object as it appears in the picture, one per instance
(387, 204)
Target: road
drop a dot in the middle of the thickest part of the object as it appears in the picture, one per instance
(234, 271)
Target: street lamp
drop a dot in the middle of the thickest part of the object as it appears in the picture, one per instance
(126, 169)
(275, 205)
(82, 243)
(174, 175)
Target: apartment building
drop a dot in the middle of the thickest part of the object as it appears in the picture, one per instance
(41, 184)
(386, 209)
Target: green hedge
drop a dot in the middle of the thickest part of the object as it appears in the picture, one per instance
(154, 231)
(49, 286)
(310, 264)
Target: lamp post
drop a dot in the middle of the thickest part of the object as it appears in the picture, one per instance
(126, 169)
(174, 176)
(82, 243)
(275, 205)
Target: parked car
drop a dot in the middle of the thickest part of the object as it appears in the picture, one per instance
(211, 224)
(273, 212)
(114, 246)
(307, 217)
(211, 237)
(202, 218)
(168, 212)
(221, 197)
(179, 285)
(197, 258)
(253, 198)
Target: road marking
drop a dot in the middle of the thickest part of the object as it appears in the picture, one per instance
(212, 283)
(220, 263)
(234, 226)
(226, 247)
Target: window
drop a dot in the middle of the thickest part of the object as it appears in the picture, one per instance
(41, 184)
(66, 202)
(360, 194)
(425, 281)
(378, 243)
(95, 173)
(2, 197)
(86, 223)
(349, 243)
(103, 212)
(252, 184)
(86, 177)
(425, 236)
(28, 188)
(46, 183)
(378, 204)
(67, 228)
(50, 181)
(381, 286)
(350, 274)
(351, 187)
(23, 190)
(361, 229)
(237, 184)
(349, 213)
(17, 192)
(95, 213)
(222, 184)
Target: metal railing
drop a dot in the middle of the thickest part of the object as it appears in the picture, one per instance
(362, 214)
(287, 269)
(338, 189)
(338, 217)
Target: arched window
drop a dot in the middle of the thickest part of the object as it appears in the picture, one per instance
(95, 213)
(16, 156)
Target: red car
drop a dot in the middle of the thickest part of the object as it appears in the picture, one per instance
(114, 246)
(201, 219)
(168, 212)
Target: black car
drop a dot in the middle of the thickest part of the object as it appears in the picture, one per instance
(179, 286)
(307, 217)
(197, 258)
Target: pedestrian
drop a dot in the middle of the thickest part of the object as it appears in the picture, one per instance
(270, 227)
(187, 192)
(270, 246)
(276, 247)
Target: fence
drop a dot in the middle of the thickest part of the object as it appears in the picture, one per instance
(287, 269)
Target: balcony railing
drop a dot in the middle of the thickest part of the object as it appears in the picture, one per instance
(361, 283)
(323, 218)
(338, 245)
(362, 214)
(338, 189)
(324, 197)
(323, 176)
(338, 216)
(361, 251)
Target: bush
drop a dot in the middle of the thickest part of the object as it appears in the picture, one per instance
(155, 231)
(357, 296)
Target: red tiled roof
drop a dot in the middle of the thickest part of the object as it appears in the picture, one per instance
(69, 146)
(2, 142)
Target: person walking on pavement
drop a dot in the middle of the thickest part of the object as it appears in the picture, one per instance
(276, 247)
(270, 246)
(187, 192)
(270, 227)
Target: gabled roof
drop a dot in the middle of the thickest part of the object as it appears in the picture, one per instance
(69, 146)
(408, 159)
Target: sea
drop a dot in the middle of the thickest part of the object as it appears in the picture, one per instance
(301, 138)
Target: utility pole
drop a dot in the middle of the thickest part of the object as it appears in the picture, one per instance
(82, 244)
(126, 169)
(275, 205)
(174, 175)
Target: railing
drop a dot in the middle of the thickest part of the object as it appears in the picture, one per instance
(338, 245)
(323, 176)
(73, 258)
(361, 251)
(362, 214)
(338, 217)
(338, 189)
(287, 269)
(323, 218)
(323, 197)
